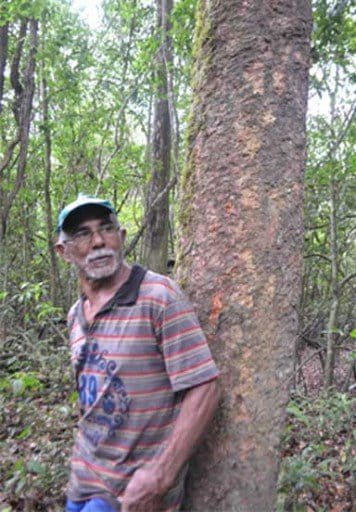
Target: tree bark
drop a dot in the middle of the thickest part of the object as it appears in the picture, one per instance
(15, 70)
(334, 246)
(335, 296)
(3, 56)
(22, 111)
(54, 278)
(240, 256)
(156, 237)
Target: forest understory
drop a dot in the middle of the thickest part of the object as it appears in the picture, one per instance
(193, 118)
(39, 414)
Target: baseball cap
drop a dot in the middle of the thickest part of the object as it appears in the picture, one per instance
(82, 200)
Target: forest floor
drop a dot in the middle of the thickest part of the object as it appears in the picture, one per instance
(38, 415)
(318, 470)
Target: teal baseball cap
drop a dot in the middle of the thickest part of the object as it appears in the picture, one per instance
(81, 201)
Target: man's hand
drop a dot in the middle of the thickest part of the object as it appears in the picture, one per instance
(144, 491)
(151, 482)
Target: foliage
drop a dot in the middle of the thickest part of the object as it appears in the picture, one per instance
(318, 462)
(334, 31)
(329, 269)
(12, 10)
(99, 87)
(94, 137)
(37, 417)
(21, 383)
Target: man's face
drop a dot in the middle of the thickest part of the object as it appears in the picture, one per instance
(95, 244)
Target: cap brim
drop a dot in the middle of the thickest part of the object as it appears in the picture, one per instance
(70, 218)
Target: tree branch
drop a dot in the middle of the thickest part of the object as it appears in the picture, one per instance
(346, 280)
(318, 255)
(153, 206)
(300, 366)
(347, 123)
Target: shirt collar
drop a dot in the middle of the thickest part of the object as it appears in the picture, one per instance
(126, 295)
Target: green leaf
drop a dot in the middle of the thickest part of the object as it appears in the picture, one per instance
(25, 433)
(33, 466)
(73, 397)
(19, 465)
(295, 411)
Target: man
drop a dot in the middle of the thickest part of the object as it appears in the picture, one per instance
(144, 373)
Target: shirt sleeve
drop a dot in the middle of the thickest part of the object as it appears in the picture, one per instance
(186, 352)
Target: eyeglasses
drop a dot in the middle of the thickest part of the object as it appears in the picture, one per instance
(83, 237)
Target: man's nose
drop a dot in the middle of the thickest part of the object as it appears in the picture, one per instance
(97, 239)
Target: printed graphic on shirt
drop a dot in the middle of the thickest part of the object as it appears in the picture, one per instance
(103, 398)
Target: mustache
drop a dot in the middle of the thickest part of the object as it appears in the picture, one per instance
(99, 253)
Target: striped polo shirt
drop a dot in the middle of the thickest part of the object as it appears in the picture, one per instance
(132, 365)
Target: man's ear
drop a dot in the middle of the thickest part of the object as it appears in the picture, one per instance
(63, 251)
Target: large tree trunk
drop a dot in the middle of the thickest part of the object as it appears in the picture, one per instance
(240, 256)
(156, 237)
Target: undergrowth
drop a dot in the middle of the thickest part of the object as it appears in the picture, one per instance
(318, 464)
(38, 415)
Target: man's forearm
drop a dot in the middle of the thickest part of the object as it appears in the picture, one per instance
(151, 482)
(198, 407)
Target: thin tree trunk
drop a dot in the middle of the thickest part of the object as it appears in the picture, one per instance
(8, 161)
(120, 122)
(22, 112)
(333, 313)
(27, 242)
(334, 256)
(3, 56)
(242, 234)
(47, 191)
(15, 71)
(156, 237)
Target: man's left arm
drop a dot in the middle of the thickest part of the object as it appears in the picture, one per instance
(152, 481)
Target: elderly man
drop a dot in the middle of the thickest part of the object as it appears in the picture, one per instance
(144, 372)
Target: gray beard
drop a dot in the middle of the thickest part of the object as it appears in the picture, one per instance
(97, 274)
